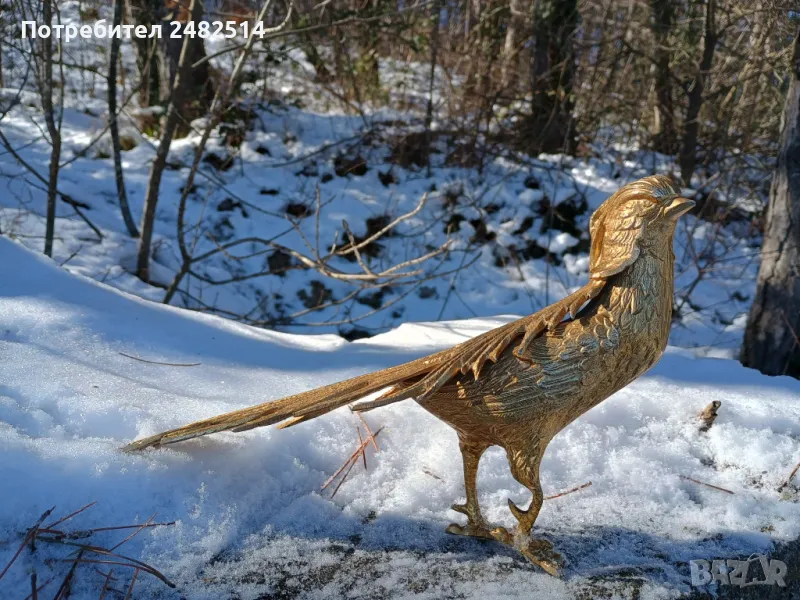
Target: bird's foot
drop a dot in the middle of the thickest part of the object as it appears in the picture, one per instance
(540, 552)
(475, 527)
(470, 530)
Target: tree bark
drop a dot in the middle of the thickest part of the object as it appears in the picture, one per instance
(199, 89)
(772, 336)
(158, 66)
(436, 17)
(113, 58)
(687, 159)
(664, 135)
(179, 90)
(549, 126)
(150, 53)
(515, 35)
(46, 91)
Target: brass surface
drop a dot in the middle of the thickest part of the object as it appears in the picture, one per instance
(519, 397)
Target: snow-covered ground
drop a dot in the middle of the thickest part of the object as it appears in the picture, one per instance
(251, 520)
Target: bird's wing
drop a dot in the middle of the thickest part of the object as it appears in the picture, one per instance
(558, 364)
(419, 378)
(473, 354)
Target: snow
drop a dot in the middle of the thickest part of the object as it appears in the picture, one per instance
(250, 517)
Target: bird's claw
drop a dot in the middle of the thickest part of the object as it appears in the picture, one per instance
(515, 510)
(462, 508)
(502, 535)
(540, 552)
(470, 530)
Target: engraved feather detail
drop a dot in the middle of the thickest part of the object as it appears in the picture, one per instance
(527, 367)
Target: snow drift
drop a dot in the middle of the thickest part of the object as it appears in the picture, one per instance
(250, 517)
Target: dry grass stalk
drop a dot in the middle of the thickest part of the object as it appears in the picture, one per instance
(68, 517)
(49, 534)
(66, 583)
(109, 577)
(708, 415)
(575, 489)
(359, 452)
(713, 487)
(361, 443)
(133, 582)
(35, 591)
(156, 362)
(29, 535)
(369, 432)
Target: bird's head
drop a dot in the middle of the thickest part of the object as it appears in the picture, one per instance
(639, 215)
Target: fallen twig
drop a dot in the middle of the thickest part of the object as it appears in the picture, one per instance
(714, 487)
(430, 473)
(786, 483)
(156, 362)
(575, 489)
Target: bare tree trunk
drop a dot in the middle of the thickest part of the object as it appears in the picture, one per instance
(199, 88)
(366, 70)
(436, 16)
(772, 337)
(549, 126)
(150, 55)
(687, 159)
(177, 98)
(664, 135)
(158, 66)
(309, 47)
(46, 90)
(472, 16)
(113, 57)
(515, 34)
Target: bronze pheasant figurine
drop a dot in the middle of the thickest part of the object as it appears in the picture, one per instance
(518, 385)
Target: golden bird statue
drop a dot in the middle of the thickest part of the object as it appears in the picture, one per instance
(518, 385)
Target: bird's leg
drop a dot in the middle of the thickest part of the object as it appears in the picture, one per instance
(476, 525)
(525, 469)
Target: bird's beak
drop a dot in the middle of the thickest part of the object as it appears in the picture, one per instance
(678, 207)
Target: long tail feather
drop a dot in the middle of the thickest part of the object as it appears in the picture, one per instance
(299, 407)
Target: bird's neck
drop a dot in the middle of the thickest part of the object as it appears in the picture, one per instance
(640, 298)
